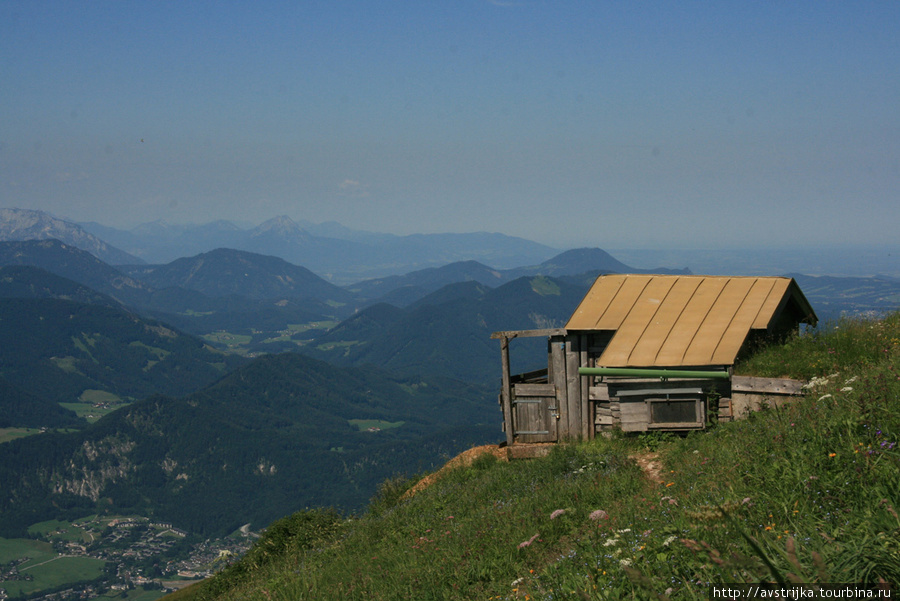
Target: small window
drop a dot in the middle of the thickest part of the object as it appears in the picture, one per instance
(673, 411)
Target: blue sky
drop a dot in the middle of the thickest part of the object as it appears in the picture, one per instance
(611, 124)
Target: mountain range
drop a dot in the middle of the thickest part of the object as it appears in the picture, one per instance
(192, 428)
(339, 254)
(406, 289)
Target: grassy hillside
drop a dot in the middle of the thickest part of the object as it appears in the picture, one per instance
(809, 493)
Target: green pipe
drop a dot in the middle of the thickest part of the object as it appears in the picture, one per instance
(632, 372)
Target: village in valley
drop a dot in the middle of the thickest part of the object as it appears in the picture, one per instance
(128, 555)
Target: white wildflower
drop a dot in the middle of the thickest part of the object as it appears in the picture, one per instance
(610, 542)
(669, 541)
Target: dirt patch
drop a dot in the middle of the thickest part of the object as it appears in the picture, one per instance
(464, 459)
(649, 464)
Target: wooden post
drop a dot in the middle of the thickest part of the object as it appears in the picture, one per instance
(558, 370)
(505, 391)
(587, 407)
(573, 388)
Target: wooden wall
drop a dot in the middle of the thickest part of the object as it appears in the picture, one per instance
(558, 404)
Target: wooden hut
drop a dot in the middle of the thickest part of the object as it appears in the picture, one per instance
(651, 352)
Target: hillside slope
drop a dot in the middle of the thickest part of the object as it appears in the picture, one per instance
(224, 272)
(449, 332)
(59, 349)
(281, 433)
(809, 493)
(25, 224)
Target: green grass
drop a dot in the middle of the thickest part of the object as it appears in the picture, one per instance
(159, 352)
(67, 364)
(53, 572)
(313, 325)
(851, 343)
(545, 286)
(806, 493)
(8, 434)
(136, 594)
(99, 396)
(17, 548)
(59, 530)
(89, 412)
(44, 528)
(344, 344)
(230, 340)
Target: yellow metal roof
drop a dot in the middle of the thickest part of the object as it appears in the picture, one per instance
(672, 321)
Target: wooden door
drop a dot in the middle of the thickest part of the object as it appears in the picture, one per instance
(535, 413)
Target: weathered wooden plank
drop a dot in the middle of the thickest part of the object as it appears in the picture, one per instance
(634, 427)
(573, 389)
(599, 392)
(766, 385)
(606, 420)
(531, 377)
(624, 383)
(635, 408)
(505, 392)
(632, 419)
(558, 374)
(634, 415)
(676, 426)
(587, 407)
(509, 334)
(725, 405)
(531, 422)
(534, 390)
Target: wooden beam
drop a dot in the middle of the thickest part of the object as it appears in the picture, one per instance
(573, 388)
(766, 385)
(534, 390)
(510, 334)
(505, 391)
(587, 407)
(558, 371)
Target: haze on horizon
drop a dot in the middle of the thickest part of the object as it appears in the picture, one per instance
(679, 125)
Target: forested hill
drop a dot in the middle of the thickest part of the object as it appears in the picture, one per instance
(286, 431)
(74, 264)
(57, 349)
(449, 332)
(27, 281)
(21, 409)
(224, 272)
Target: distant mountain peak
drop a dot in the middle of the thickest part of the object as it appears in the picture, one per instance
(26, 224)
(281, 226)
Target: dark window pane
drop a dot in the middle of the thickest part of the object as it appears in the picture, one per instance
(673, 411)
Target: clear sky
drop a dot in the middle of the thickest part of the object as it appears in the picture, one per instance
(611, 124)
